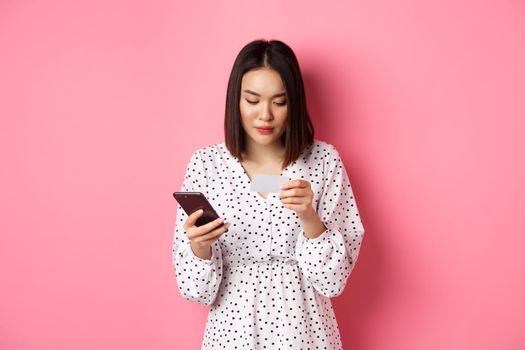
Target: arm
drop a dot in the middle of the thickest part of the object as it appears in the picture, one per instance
(198, 279)
(328, 259)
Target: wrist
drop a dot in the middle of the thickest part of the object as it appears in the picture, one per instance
(203, 252)
(312, 225)
(309, 215)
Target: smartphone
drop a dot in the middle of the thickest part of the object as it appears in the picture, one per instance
(193, 201)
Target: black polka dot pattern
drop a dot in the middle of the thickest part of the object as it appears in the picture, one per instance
(268, 285)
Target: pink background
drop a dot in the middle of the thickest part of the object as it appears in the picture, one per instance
(102, 103)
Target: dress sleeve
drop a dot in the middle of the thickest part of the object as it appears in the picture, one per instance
(327, 260)
(198, 279)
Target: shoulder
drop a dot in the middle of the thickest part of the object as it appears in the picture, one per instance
(325, 157)
(319, 157)
(206, 158)
(206, 152)
(320, 144)
(324, 150)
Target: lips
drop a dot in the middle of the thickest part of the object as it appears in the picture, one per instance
(265, 131)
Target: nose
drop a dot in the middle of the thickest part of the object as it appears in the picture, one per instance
(266, 113)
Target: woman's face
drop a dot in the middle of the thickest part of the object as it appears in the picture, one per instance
(263, 106)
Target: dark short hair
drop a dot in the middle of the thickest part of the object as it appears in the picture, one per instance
(278, 56)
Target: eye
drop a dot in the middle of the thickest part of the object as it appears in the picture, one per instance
(281, 103)
(251, 102)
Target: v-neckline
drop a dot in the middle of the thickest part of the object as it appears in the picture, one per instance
(249, 181)
(246, 177)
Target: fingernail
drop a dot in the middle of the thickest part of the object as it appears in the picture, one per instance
(220, 220)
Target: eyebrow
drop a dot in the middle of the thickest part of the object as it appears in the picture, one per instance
(256, 94)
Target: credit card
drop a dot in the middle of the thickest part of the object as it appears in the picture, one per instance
(267, 183)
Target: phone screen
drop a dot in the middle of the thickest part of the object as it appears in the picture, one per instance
(193, 201)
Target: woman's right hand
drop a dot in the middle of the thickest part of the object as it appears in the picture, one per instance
(202, 237)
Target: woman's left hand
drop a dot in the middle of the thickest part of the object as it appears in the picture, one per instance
(297, 195)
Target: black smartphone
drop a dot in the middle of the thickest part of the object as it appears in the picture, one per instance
(193, 201)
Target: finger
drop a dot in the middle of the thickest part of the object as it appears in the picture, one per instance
(215, 234)
(212, 235)
(295, 183)
(192, 219)
(292, 206)
(201, 230)
(304, 197)
(293, 192)
(298, 208)
(293, 200)
(288, 184)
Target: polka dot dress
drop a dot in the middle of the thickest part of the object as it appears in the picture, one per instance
(268, 285)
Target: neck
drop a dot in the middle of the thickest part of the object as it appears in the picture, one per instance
(260, 154)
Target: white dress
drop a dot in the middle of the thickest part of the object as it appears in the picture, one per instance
(268, 285)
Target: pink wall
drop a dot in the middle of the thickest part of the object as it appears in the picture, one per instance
(101, 103)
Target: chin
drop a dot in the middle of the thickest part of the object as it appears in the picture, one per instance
(264, 140)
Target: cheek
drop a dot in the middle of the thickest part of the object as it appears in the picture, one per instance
(246, 111)
(282, 114)
(246, 118)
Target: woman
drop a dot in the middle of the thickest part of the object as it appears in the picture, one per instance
(269, 270)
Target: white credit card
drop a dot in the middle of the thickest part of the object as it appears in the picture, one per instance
(268, 183)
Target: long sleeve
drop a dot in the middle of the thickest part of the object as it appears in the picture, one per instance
(198, 279)
(327, 260)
